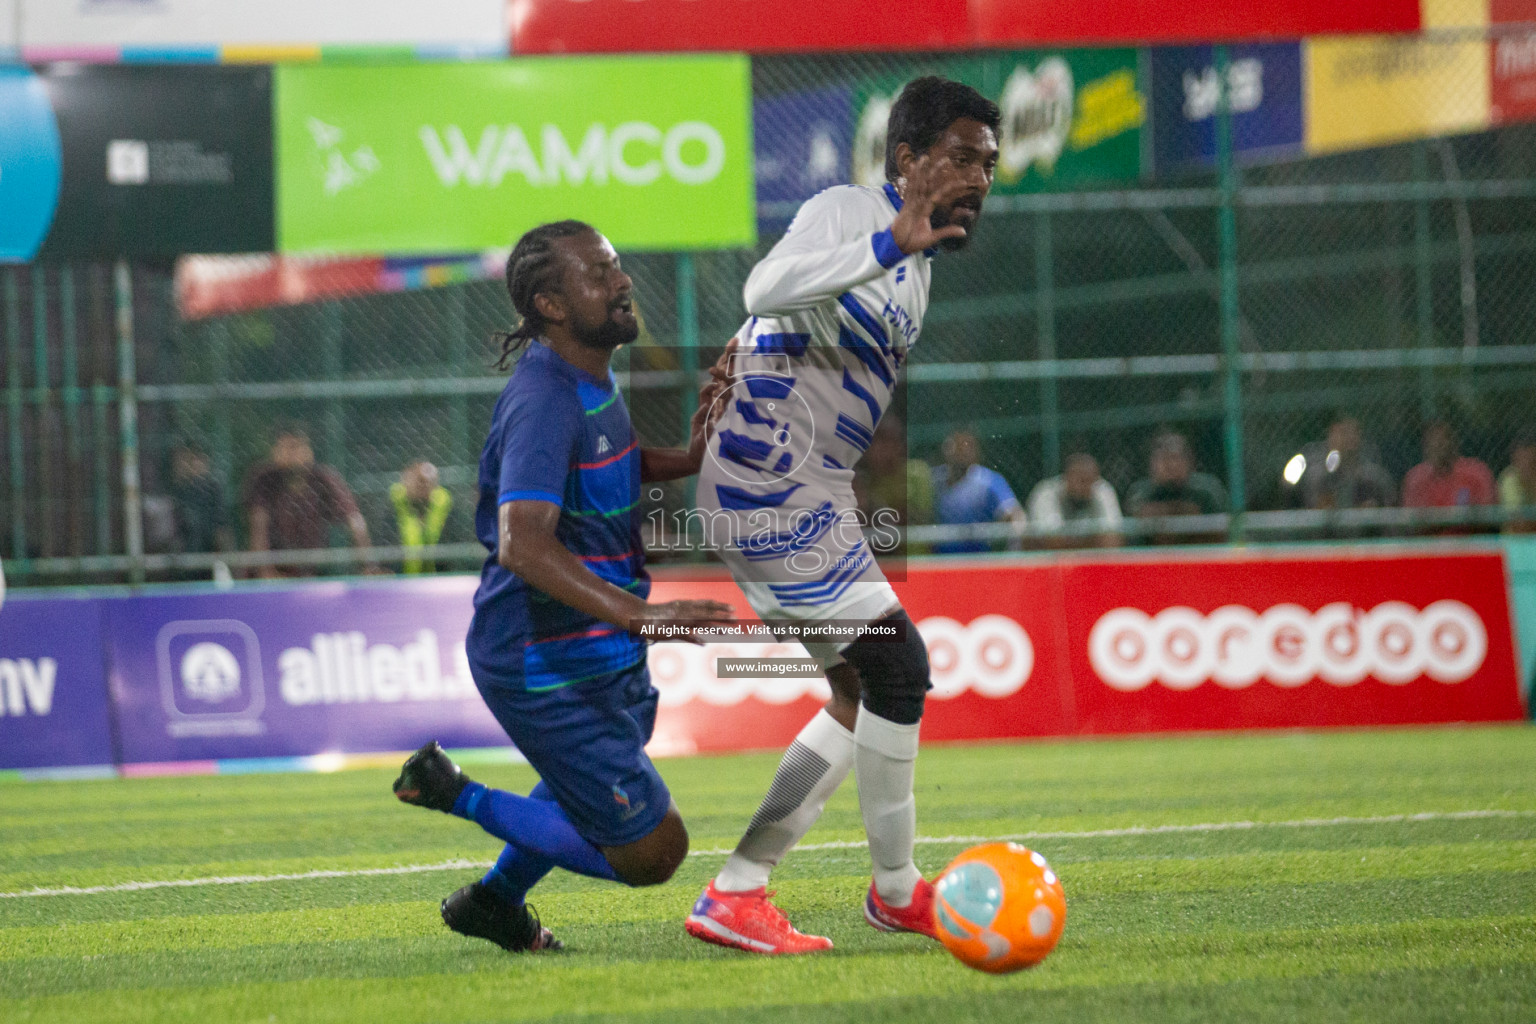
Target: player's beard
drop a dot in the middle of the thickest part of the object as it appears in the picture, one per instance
(941, 218)
(609, 334)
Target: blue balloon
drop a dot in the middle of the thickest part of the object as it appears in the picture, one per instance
(31, 164)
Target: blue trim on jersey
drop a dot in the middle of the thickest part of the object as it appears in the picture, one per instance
(785, 461)
(769, 385)
(743, 450)
(893, 196)
(754, 416)
(741, 499)
(826, 590)
(549, 496)
(854, 432)
(853, 387)
(779, 545)
(867, 355)
(792, 345)
(828, 462)
(605, 489)
(866, 320)
(886, 250)
(595, 398)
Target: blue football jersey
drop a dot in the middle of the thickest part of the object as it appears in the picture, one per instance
(561, 435)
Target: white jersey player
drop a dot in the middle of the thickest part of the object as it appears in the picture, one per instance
(834, 309)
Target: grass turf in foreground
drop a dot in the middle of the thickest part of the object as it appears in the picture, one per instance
(1368, 920)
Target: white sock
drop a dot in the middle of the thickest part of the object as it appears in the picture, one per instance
(885, 757)
(813, 767)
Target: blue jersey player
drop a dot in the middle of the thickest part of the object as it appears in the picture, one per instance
(554, 644)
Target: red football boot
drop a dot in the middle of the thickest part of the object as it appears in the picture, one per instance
(916, 916)
(748, 921)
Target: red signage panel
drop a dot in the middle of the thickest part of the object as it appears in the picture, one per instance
(1245, 643)
(1512, 63)
(1154, 644)
(1035, 22)
(759, 26)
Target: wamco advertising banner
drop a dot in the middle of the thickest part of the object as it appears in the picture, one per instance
(655, 152)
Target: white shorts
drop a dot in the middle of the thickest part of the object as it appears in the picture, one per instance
(803, 561)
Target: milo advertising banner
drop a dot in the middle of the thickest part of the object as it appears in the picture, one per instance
(656, 152)
(1070, 117)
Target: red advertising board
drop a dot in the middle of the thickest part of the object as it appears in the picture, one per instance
(1150, 644)
(1512, 62)
(1031, 22)
(761, 26)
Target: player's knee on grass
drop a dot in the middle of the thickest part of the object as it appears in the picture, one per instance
(893, 672)
(653, 859)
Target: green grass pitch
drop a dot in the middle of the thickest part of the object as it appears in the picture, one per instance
(1333, 907)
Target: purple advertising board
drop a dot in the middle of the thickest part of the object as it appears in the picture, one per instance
(1263, 88)
(53, 684)
(315, 668)
(803, 144)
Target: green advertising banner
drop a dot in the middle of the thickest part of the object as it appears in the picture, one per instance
(656, 152)
(1070, 117)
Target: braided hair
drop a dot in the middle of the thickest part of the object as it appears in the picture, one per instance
(533, 267)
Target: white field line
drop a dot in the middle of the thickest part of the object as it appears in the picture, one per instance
(856, 844)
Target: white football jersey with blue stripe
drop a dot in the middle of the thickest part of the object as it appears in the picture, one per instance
(835, 309)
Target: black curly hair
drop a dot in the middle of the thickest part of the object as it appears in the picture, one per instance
(533, 267)
(925, 108)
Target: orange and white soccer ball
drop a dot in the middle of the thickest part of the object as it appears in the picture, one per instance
(999, 908)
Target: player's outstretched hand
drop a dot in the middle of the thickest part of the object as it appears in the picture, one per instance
(684, 615)
(912, 228)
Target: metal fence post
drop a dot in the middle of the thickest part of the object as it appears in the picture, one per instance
(13, 399)
(688, 343)
(1423, 263)
(1231, 326)
(74, 458)
(46, 498)
(1045, 321)
(128, 422)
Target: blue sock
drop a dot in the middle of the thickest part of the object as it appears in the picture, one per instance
(517, 870)
(537, 827)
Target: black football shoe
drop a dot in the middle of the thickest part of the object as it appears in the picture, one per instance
(430, 779)
(479, 913)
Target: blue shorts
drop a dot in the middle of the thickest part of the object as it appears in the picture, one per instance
(587, 742)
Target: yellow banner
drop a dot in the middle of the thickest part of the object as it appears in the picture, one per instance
(1376, 90)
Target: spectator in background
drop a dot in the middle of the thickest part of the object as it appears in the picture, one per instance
(1517, 484)
(1446, 478)
(1172, 486)
(291, 503)
(422, 508)
(967, 492)
(203, 522)
(1079, 497)
(1340, 474)
(887, 479)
